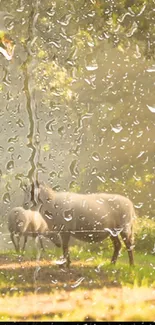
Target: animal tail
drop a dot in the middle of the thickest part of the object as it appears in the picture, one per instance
(133, 218)
(131, 236)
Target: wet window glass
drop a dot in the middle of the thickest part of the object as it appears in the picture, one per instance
(77, 161)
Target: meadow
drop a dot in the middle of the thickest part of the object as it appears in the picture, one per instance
(35, 287)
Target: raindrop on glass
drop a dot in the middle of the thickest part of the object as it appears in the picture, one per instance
(10, 165)
(95, 156)
(151, 108)
(117, 129)
(6, 198)
(49, 128)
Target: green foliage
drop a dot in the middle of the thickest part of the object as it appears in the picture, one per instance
(145, 235)
(83, 38)
(74, 187)
(53, 79)
(128, 185)
(124, 19)
(144, 241)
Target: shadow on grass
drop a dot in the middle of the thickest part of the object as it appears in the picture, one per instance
(19, 274)
(23, 274)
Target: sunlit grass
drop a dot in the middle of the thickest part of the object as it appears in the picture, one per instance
(96, 273)
(90, 265)
(81, 305)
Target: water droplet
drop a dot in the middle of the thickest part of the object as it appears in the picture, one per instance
(1, 149)
(10, 165)
(11, 149)
(65, 21)
(94, 171)
(61, 261)
(101, 178)
(95, 156)
(37, 138)
(92, 67)
(152, 69)
(82, 218)
(140, 133)
(78, 282)
(114, 232)
(139, 205)
(124, 139)
(60, 174)
(13, 140)
(56, 188)
(132, 29)
(48, 215)
(49, 127)
(144, 236)
(51, 12)
(53, 174)
(103, 129)
(61, 130)
(151, 109)
(141, 153)
(91, 44)
(8, 186)
(20, 123)
(73, 185)
(73, 168)
(117, 129)
(6, 198)
(68, 215)
(68, 218)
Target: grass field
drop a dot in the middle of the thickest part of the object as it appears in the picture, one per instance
(39, 289)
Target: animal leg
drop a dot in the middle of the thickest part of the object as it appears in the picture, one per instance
(38, 251)
(55, 238)
(13, 240)
(65, 241)
(129, 245)
(117, 247)
(41, 244)
(18, 243)
(25, 241)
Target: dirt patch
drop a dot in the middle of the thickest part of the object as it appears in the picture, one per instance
(44, 275)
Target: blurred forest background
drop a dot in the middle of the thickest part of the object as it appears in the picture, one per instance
(77, 101)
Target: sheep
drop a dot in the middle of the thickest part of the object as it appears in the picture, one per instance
(22, 222)
(87, 217)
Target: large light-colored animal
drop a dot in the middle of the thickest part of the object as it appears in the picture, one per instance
(26, 223)
(87, 217)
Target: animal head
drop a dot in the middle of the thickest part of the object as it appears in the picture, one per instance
(37, 192)
(30, 194)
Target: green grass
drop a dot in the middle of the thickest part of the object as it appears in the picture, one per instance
(96, 273)
(91, 264)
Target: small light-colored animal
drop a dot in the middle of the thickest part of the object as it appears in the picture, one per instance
(22, 222)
